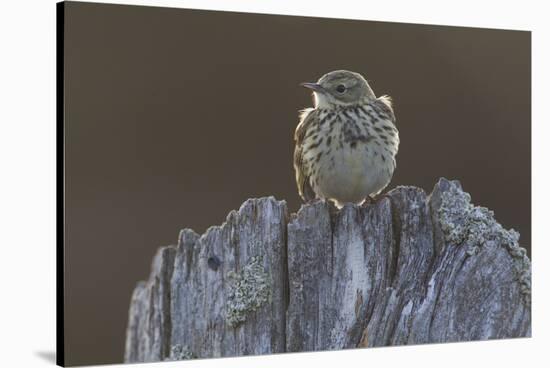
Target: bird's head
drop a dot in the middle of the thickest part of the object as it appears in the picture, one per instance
(340, 87)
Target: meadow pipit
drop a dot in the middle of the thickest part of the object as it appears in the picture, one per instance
(345, 145)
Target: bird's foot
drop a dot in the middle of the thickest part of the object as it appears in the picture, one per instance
(312, 201)
(371, 199)
(332, 208)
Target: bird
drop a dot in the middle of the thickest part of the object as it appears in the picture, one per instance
(346, 145)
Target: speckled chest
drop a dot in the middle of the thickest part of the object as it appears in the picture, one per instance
(341, 135)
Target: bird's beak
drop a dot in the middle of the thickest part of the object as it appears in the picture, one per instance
(313, 86)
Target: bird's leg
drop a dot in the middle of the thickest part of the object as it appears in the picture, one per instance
(313, 200)
(332, 209)
(371, 199)
(307, 202)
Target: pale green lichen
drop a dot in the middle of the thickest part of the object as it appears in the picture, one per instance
(181, 352)
(250, 290)
(474, 226)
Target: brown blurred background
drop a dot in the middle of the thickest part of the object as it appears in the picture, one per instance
(174, 117)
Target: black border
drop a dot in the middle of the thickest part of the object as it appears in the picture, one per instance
(60, 166)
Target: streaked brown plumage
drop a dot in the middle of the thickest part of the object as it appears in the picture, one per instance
(346, 145)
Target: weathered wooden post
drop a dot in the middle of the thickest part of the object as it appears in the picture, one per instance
(407, 269)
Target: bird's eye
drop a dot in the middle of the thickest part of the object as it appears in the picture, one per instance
(341, 88)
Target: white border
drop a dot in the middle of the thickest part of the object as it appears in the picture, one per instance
(27, 179)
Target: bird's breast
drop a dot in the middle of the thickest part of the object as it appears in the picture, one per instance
(352, 174)
(353, 160)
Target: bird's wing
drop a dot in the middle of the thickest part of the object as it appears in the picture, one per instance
(384, 105)
(302, 178)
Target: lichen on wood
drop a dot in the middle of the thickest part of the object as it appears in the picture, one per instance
(475, 226)
(410, 268)
(180, 352)
(251, 289)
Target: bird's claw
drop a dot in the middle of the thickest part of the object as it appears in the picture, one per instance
(369, 200)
